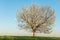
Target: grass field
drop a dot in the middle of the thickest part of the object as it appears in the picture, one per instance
(27, 38)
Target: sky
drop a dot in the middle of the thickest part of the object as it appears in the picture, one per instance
(9, 8)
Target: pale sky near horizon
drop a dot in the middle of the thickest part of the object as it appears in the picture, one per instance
(9, 8)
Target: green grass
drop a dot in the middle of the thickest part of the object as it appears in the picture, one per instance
(27, 38)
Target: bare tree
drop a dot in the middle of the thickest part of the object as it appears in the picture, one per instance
(36, 19)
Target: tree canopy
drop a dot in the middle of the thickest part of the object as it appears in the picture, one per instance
(36, 18)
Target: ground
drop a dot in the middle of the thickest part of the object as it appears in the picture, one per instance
(27, 38)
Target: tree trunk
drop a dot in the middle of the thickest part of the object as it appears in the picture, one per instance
(33, 33)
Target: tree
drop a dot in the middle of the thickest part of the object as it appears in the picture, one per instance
(36, 19)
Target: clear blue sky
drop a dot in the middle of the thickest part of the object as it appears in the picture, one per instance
(9, 8)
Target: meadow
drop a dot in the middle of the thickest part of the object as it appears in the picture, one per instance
(27, 38)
